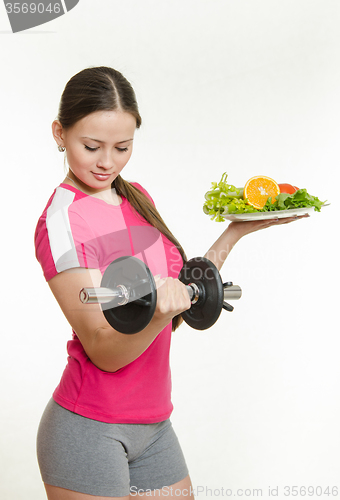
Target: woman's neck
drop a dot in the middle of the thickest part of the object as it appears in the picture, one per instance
(108, 195)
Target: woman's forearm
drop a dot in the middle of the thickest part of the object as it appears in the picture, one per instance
(112, 350)
(222, 247)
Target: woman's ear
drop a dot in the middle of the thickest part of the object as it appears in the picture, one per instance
(57, 131)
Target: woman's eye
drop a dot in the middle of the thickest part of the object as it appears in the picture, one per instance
(122, 149)
(90, 149)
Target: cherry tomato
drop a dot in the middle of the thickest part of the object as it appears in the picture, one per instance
(288, 188)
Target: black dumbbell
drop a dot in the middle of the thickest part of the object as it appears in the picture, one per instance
(128, 294)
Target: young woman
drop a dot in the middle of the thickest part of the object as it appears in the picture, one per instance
(106, 431)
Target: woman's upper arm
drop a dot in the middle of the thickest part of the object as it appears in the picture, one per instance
(85, 319)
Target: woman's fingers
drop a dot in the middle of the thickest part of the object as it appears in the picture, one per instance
(285, 220)
(172, 296)
(244, 228)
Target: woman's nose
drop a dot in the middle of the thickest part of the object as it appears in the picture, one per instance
(106, 161)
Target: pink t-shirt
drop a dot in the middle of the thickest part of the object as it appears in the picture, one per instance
(77, 230)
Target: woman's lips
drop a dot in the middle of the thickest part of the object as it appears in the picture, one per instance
(101, 177)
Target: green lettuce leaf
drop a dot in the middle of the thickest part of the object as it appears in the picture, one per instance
(299, 199)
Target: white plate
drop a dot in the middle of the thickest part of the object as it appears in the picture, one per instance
(279, 214)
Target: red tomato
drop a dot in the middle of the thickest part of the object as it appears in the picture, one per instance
(287, 188)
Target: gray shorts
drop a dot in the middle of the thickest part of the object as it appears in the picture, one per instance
(97, 458)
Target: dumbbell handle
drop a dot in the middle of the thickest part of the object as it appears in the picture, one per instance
(100, 295)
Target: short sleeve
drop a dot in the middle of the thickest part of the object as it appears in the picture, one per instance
(63, 239)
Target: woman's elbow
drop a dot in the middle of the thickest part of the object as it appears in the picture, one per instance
(104, 350)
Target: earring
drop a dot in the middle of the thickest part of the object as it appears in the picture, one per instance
(61, 148)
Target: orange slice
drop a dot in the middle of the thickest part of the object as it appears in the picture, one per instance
(258, 189)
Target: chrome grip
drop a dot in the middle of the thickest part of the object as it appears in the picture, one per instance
(98, 295)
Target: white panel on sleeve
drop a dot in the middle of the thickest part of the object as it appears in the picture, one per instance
(62, 245)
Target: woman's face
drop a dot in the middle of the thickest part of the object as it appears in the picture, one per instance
(98, 147)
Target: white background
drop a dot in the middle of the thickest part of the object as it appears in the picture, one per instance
(248, 87)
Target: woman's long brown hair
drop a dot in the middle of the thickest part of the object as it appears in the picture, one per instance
(106, 89)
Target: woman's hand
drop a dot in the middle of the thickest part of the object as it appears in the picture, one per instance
(242, 228)
(172, 298)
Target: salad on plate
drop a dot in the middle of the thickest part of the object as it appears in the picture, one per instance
(260, 195)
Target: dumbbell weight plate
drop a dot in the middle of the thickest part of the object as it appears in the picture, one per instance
(137, 278)
(206, 276)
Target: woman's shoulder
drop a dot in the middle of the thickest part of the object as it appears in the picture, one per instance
(62, 231)
(62, 195)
